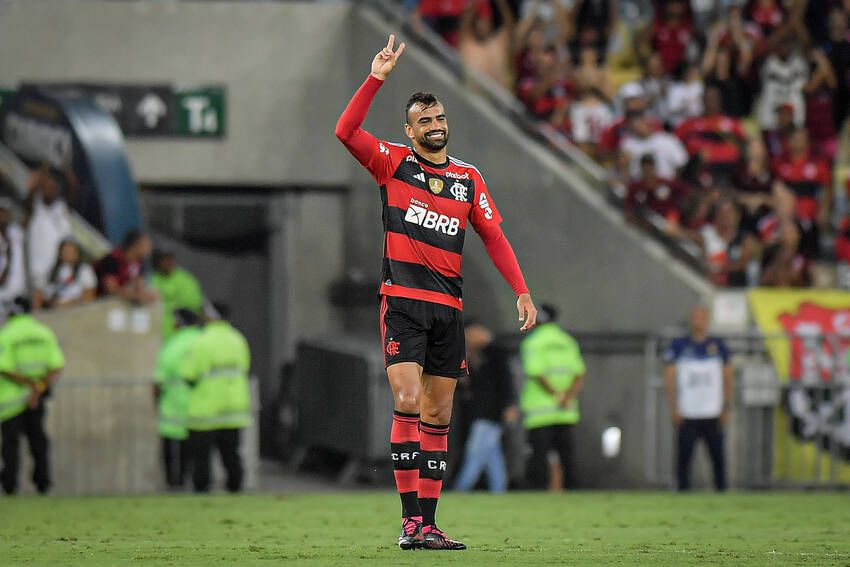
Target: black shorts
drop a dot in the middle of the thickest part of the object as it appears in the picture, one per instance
(427, 333)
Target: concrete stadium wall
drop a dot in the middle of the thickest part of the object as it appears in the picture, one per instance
(280, 62)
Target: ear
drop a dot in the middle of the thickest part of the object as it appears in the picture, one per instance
(408, 131)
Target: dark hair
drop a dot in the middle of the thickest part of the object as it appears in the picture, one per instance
(547, 314)
(647, 159)
(217, 310)
(54, 273)
(159, 255)
(132, 238)
(19, 306)
(186, 317)
(427, 100)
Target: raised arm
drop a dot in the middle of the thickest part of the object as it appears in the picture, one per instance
(348, 130)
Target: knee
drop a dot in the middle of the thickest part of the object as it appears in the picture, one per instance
(407, 400)
(439, 413)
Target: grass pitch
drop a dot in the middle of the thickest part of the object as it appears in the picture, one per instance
(359, 528)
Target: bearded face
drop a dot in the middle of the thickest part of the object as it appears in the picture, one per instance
(428, 126)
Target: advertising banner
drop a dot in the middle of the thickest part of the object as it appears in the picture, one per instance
(808, 337)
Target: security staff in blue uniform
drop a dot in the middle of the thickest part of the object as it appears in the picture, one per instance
(698, 379)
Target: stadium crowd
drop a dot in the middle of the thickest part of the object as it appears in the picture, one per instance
(719, 122)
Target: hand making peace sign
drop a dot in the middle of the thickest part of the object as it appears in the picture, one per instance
(385, 60)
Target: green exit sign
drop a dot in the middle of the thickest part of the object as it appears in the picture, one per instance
(201, 112)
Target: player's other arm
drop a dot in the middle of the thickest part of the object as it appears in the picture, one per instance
(502, 254)
(360, 143)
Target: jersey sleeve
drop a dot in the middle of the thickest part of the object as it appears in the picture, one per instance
(160, 372)
(483, 212)
(677, 152)
(88, 279)
(56, 358)
(373, 154)
(671, 355)
(578, 360)
(581, 131)
(245, 356)
(7, 360)
(191, 366)
(384, 158)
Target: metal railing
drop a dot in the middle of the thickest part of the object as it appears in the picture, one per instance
(789, 432)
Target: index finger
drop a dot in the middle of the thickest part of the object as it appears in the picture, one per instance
(530, 319)
(391, 42)
(401, 47)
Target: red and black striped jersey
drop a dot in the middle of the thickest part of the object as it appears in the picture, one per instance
(807, 177)
(427, 208)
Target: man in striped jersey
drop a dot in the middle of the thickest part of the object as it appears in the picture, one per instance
(428, 200)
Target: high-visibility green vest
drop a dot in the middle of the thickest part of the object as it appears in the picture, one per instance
(552, 353)
(29, 348)
(178, 290)
(174, 392)
(218, 368)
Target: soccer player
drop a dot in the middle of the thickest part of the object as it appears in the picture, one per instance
(428, 199)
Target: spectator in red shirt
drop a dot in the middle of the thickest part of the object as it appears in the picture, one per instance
(715, 139)
(548, 93)
(442, 16)
(810, 179)
(842, 242)
(669, 35)
(634, 103)
(727, 246)
(651, 193)
(767, 14)
(121, 272)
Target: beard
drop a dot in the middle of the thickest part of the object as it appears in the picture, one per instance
(434, 145)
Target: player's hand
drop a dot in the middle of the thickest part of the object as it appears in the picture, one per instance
(385, 60)
(527, 311)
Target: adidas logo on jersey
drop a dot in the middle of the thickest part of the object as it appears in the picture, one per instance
(419, 214)
(420, 177)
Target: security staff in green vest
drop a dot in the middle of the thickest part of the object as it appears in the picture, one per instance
(219, 403)
(171, 393)
(177, 287)
(555, 373)
(30, 363)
